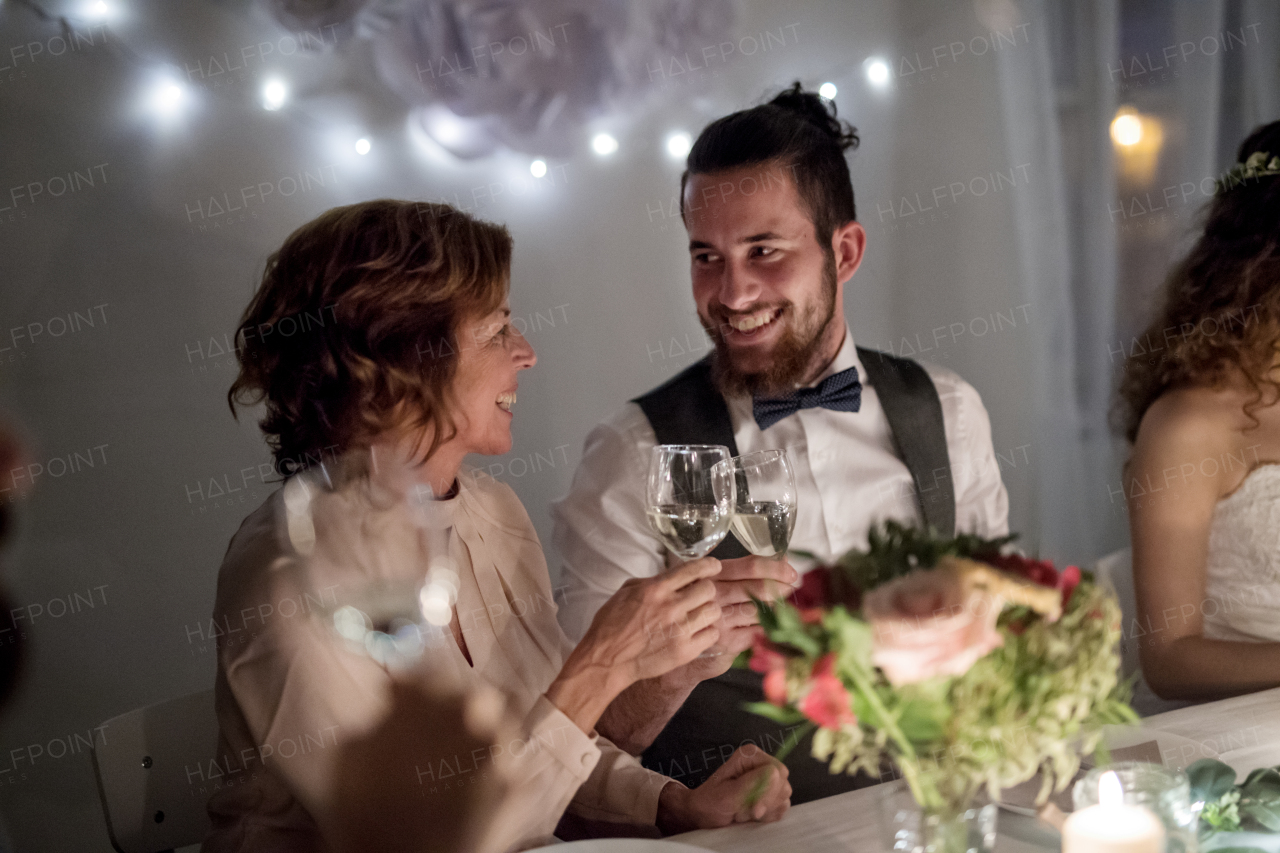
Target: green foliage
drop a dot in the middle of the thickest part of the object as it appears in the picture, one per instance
(1033, 705)
(782, 716)
(895, 549)
(1251, 806)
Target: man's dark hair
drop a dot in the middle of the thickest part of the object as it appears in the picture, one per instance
(797, 131)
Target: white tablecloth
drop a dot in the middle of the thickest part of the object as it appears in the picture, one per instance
(1244, 732)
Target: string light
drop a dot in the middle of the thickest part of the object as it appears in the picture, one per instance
(828, 91)
(1126, 129)
(274, 94)
(678, 144)
(877, 71)
(166, 98)
(604, 144)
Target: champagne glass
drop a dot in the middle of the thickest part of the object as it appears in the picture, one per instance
(689, 497)
(764, 513)
(374, 549)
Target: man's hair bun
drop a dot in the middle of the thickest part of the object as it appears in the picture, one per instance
(819, 112)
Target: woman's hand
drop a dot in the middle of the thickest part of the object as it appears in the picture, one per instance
(646, 629)
(751, 785)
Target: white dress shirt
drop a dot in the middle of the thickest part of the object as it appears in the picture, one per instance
(848, 477)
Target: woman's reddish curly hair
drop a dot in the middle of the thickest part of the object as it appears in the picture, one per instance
(353, 330)
(1221, 308)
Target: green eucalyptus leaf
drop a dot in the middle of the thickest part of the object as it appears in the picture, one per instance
(1263, 783)
(1210, 779)
(1265, 813)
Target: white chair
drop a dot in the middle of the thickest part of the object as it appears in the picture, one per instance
(1116, 569)
(150, 766)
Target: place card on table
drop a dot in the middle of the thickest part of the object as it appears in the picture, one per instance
(1023, 796)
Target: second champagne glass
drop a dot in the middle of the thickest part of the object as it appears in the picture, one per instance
(764, 503)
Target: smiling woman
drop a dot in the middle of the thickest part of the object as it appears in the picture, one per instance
(419, 364)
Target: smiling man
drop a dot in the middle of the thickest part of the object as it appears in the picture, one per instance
(773, 240)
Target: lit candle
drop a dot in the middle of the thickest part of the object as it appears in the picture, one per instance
(1111, 826)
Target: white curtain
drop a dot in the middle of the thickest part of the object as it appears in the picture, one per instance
(1041, 246)
(1052, 243)
(1059, 110)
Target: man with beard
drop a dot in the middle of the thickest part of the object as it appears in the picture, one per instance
(773, 239)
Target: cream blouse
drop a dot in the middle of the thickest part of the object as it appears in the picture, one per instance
(287, 691)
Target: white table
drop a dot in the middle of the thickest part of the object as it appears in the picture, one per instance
(1243, 732)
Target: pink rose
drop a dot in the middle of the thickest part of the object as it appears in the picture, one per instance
(826, 701)
(930, 623)
(775, 687)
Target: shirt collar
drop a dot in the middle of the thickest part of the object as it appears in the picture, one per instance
(846, 357)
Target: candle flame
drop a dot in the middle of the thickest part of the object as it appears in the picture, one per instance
(1110, 791)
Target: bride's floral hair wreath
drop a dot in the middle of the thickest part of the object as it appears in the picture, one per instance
(1261, 164)
(1233, 271)
(385, 282)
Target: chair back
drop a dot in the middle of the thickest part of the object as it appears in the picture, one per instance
(1116, 569)
(145, 765)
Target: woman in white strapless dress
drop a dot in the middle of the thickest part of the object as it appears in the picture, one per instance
(1203, 482)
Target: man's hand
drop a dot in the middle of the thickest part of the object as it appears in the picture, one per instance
(751, 785)
(647, 628)
(640, 713)
(766, 579)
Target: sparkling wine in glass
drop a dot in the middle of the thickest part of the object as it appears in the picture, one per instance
(689, 497)
(764, 502)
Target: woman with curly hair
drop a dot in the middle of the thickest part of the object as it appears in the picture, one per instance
(383, 329)
(1203, 480)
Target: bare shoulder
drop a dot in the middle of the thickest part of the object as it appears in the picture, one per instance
(1189, 424)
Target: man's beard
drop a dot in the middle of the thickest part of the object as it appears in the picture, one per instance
(793, 356)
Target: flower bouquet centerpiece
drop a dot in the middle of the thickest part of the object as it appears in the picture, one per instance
(958, 663)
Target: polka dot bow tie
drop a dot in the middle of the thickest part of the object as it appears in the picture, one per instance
(840, 392)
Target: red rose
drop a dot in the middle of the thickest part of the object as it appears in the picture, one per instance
(826, 700)
(814, 589)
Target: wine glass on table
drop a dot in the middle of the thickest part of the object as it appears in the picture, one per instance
(764, 513)
(373, 550)
(689, 498)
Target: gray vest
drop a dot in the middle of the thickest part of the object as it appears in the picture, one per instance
(688, 409)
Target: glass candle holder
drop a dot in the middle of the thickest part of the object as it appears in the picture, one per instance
(1165, 791)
